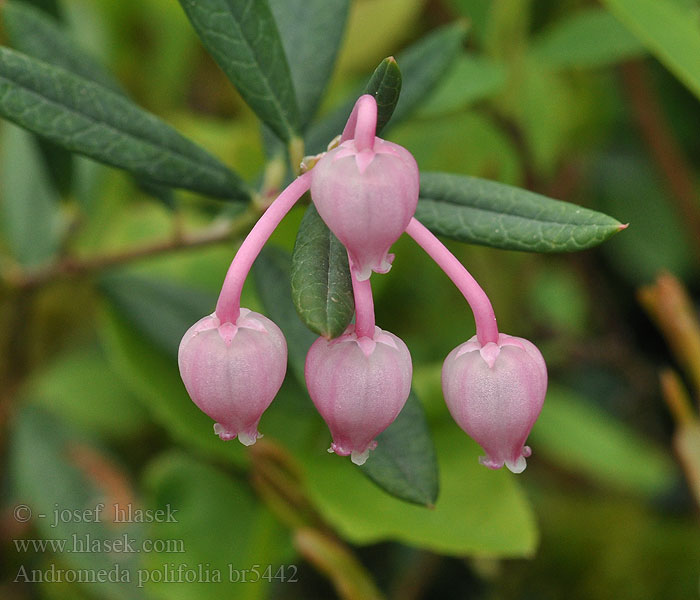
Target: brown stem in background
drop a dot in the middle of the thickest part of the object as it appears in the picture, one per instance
(662, 145)
(668, 304)
(676, 397)
(71, 267)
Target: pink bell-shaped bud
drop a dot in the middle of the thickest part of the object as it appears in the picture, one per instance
(366, 196)
(495, 393)
(359, 385)
(232, 372)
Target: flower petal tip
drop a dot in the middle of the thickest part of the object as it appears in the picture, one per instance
(359, 458)
(518, 466)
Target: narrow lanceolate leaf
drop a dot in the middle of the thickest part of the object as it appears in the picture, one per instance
(321, 285)
(425, 63)
(385, 86)
(34, 33)
(271, 274)
(670, 32)
(311, 33)
(404, 462)
(243, 38)
(422, 66)
(485, 212)
(87, 118)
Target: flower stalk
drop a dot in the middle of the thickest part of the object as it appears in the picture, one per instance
(484, 317)
(228, 305)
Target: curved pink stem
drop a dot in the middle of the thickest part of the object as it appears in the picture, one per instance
(486, 327)
(228, 306)
(362, 123)
(364, 306)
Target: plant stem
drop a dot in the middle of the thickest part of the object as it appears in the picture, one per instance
(364, 307)
(229, 304)
(72, 267)
(484, 317)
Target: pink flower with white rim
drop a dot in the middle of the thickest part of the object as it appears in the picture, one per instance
(359, 385)
(232, 372)
(495, 393)
(366, 191)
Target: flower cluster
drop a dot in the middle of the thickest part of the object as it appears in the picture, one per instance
(233, 362)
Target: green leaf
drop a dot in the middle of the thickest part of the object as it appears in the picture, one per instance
(470, 79)
(669, 32)
(271, 273)
(586, 39)
(385, 86)
(219, 525)
(320, 278)
(87, 118)
(404, 462)
(574, 433)
(53, 468)
(485, 212)
(28, 203)
(480, 512)
(311, 32)
(163, 311)
(421, 65)
(425, 63)
(243, 39)
(34, 33)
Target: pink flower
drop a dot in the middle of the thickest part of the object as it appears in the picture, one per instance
(366, 191)
(495, 393)
(232, 372)
(359, 385)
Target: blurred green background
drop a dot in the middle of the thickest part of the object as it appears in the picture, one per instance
(561, 97)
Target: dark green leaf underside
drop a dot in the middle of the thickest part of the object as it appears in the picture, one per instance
(243, 38)
(320, 277)
(485, 212)
(90, 119)
(404, 463)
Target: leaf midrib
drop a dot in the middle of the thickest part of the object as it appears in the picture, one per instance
(264, 77)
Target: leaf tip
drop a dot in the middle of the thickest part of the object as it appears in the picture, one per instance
(622, 227)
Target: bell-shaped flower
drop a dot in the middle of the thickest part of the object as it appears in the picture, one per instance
(366, 192)
(495, 393)
(232, 372)
(359, 385)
